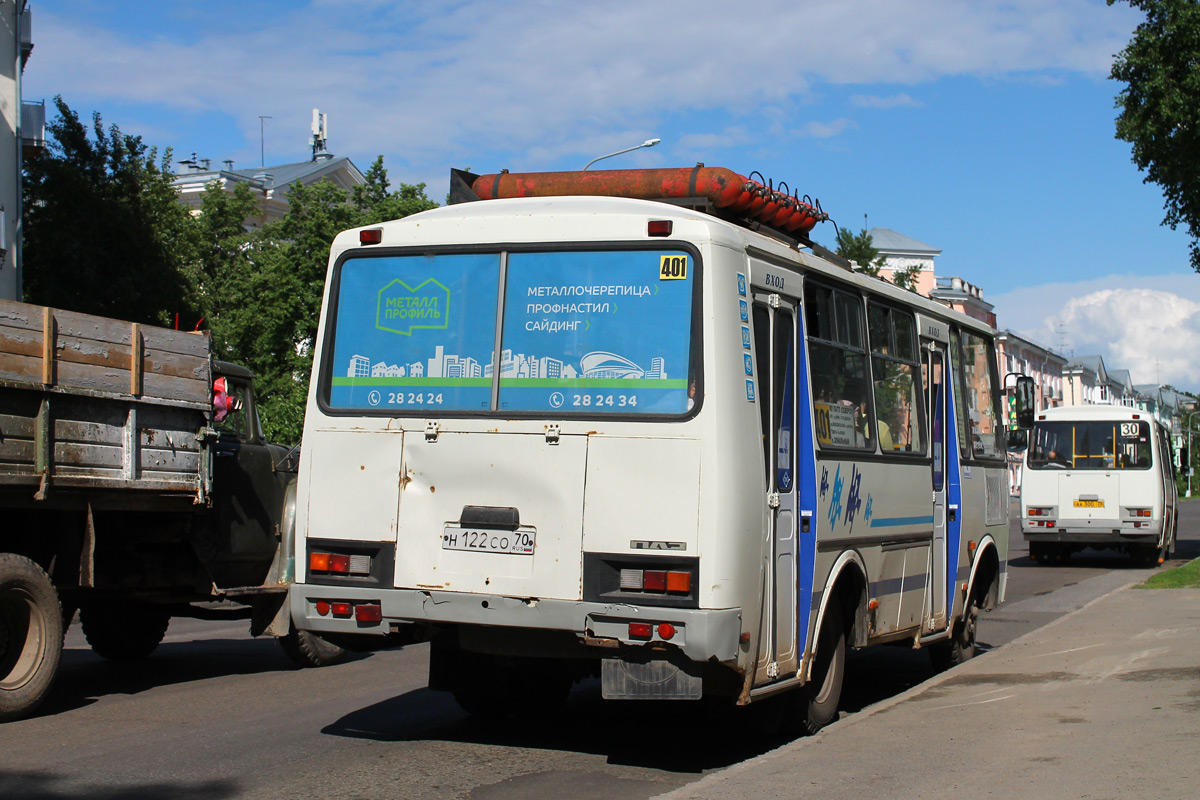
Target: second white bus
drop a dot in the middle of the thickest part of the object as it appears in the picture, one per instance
(1099, 476)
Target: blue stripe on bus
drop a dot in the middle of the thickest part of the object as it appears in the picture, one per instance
(892, 522)
(953, 485)
(806, 485)
(890, 586)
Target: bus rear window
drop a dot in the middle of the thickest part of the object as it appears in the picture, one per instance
(581, 332)
(597, 332)
(1091, 445)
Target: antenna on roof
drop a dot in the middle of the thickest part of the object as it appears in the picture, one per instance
(320, 135)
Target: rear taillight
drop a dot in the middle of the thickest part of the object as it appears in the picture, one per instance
(339, 563)
(657, 581)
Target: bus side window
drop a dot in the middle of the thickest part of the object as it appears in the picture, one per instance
(838, 360)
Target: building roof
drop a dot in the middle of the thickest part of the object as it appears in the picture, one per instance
(305, 171)
(1093, 363)
(1045, 352)
(889, 242)
(340, 169)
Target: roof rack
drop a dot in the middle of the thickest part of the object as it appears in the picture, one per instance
(714, 190)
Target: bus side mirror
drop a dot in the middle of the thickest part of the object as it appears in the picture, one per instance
(1025, 409)
(1018, 440)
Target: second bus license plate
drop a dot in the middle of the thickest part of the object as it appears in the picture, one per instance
(1089, 504)
(483, 540)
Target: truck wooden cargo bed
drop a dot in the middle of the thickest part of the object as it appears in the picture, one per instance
(89, 403)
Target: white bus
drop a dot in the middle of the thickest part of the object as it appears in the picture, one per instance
(573, 436)
(1099, 476)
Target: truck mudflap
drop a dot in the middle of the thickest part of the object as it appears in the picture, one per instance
(700, 634)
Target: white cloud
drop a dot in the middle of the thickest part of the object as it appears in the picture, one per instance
(1149, 325)
(827, 130)
(902, 100)
(433, 80)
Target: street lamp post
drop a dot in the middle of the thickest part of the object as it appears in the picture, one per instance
(647, 143)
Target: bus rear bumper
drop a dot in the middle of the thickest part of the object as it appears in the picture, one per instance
(1115, 535)
(702, 634)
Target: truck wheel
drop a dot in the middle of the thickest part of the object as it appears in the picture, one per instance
(31, 635)
(307, 649)
(123, 630)
(961, 646)
(817, 700)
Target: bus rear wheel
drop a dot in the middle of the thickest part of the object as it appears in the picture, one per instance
(817, 701)
(961, 646)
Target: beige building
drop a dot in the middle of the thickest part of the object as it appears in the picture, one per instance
(23, 126)
(902, 252)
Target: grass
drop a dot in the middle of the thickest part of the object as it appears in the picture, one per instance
(1185, 577)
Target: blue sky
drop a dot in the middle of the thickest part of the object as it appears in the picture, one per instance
(981, 128)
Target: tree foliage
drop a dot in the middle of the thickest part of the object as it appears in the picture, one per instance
(268, 305)
(1160, 106)
(104, 232)
(859, 248)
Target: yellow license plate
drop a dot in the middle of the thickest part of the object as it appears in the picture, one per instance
(1089, 504)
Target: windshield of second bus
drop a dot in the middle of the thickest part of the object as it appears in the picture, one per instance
(1090, 445)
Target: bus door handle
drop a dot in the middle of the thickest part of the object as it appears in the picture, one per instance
(953, 513)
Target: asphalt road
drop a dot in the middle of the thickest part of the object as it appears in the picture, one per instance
(213, 714)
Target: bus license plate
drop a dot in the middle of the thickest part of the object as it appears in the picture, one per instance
(1089, 504)
(482, 540)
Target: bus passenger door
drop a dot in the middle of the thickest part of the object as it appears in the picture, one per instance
(775, 350)
(935, 393)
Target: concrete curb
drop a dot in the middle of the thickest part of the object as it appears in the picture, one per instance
(688, 791)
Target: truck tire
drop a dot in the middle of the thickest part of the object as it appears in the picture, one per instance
(31, 636)
(307, 649)
(123, 630)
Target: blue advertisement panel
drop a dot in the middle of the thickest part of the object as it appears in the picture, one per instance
(597, 332)
(415, 332)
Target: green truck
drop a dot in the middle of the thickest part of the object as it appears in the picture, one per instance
(130, 493)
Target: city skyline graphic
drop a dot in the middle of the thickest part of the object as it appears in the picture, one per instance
(597, 364)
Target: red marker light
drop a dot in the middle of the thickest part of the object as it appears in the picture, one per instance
(370, 236)
(368, 612)
(666, 631)
(343, 610)
(658, 227)
(640, 630)
(322, 607)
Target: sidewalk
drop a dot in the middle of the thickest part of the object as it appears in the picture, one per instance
(1101, 703)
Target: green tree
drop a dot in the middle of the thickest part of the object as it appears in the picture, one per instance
(907, 278)
(1160, 107)
(859, 248)
(263, 289)
(104, 232)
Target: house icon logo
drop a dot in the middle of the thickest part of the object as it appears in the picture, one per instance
(403, 308)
